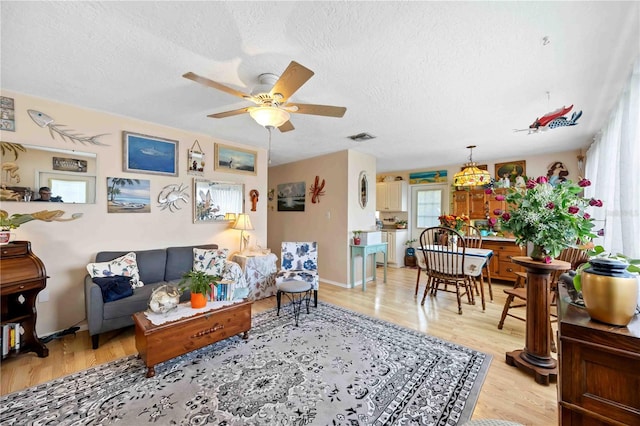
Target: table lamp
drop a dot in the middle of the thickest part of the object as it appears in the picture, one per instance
(243, 223)
(231, 217)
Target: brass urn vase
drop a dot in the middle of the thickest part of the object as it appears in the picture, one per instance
(610, 293)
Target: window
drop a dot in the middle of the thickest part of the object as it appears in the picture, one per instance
(69, 190)
(428, 207)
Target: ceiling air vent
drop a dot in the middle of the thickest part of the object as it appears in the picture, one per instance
(361, 137)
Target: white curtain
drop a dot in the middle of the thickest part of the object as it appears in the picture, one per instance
(613, 166)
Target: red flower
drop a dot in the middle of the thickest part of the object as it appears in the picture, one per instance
(488, 191)
(506, 216)
(595, 203)
(531, 184)
(584, 182)
(550, 205)
(574, 209)
(541, 179)
(497, 212)
(547, 259)
(601, 232)
(499, 197)
(586, 216)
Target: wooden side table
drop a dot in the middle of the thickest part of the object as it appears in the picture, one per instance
(365, 251)
(536, 358)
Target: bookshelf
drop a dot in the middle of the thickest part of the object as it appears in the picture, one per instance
(22, 277)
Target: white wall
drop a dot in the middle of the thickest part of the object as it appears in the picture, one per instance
(66, 247)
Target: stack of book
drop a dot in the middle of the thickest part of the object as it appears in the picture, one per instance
(223, 291)
(10, 338)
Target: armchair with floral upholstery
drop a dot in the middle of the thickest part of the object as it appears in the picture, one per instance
(299, 262)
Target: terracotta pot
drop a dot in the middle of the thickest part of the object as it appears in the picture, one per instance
(198, 300)
(356, 241)
(610, 293)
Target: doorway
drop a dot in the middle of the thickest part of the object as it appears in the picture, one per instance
(427, 203)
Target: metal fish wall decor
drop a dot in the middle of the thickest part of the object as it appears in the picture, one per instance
(43, 120)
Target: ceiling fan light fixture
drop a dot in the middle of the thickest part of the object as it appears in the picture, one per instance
(269, 116)
(471, 175)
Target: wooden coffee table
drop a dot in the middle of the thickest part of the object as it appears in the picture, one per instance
(159, 343)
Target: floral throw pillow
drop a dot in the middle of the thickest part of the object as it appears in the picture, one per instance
(210, 261)
(125, 266)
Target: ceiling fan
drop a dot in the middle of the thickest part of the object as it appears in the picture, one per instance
(271, 97)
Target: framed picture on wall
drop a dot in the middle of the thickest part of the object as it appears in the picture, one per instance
(511, 170)
(230, 159)
(291, 197)
(149, 154)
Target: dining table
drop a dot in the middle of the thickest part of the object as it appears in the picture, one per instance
(475, 260)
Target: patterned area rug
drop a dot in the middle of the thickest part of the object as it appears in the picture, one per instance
(338, 367)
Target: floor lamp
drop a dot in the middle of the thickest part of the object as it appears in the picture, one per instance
(243, 223)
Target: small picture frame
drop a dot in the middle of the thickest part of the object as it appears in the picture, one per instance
(195, 160)
(291, 197)
(508, 172)
(230, 159)
(149, 154)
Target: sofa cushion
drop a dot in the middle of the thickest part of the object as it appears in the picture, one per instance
(125, 265)
(114, 288)
(180, 260)
(151, 263)
(210, 261)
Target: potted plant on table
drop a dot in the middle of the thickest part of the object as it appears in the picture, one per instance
(199, 283)
(401, 224)
(356, 238)
(609, 285)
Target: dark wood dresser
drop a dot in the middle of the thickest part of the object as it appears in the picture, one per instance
(599, 381)
(22, 277)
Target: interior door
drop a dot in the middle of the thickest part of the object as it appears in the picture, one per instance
(427, 203)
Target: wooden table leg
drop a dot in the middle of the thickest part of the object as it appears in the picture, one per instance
(151, 371)
(536, 358)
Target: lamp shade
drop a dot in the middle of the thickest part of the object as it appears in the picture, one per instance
(269, 116)
(243, 223)
(471, 175)
(230, 217)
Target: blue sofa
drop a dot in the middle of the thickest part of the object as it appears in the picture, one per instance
(157, 267)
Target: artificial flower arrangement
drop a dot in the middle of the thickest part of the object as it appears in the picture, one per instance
(550, 217)
(453, 221)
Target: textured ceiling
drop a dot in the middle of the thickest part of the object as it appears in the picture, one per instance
(426, 78)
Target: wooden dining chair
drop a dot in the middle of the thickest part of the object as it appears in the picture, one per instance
(473, 239)
(443, 266)
(517, 296)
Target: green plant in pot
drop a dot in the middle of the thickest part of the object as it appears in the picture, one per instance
(609, 285)
(199, 284)
(410, 253)
(356, 237)
(401, 224)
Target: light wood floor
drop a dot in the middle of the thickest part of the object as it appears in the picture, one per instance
(507, 392)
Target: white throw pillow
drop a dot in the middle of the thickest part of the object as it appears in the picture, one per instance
(125, 265)
(210, 261)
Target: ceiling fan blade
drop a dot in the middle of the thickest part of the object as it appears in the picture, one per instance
(326, 110)
(229, 113)
(291, 80)
(286, 127)
(210, 83)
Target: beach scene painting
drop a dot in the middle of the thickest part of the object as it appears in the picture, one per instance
(235, 160)
(149, 154)
(436, 176)
(291, 197)
(126, 195)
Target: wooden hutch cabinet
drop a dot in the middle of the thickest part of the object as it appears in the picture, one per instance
(599, 376)
(501, 266)
(22, 277)
(476, 204)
